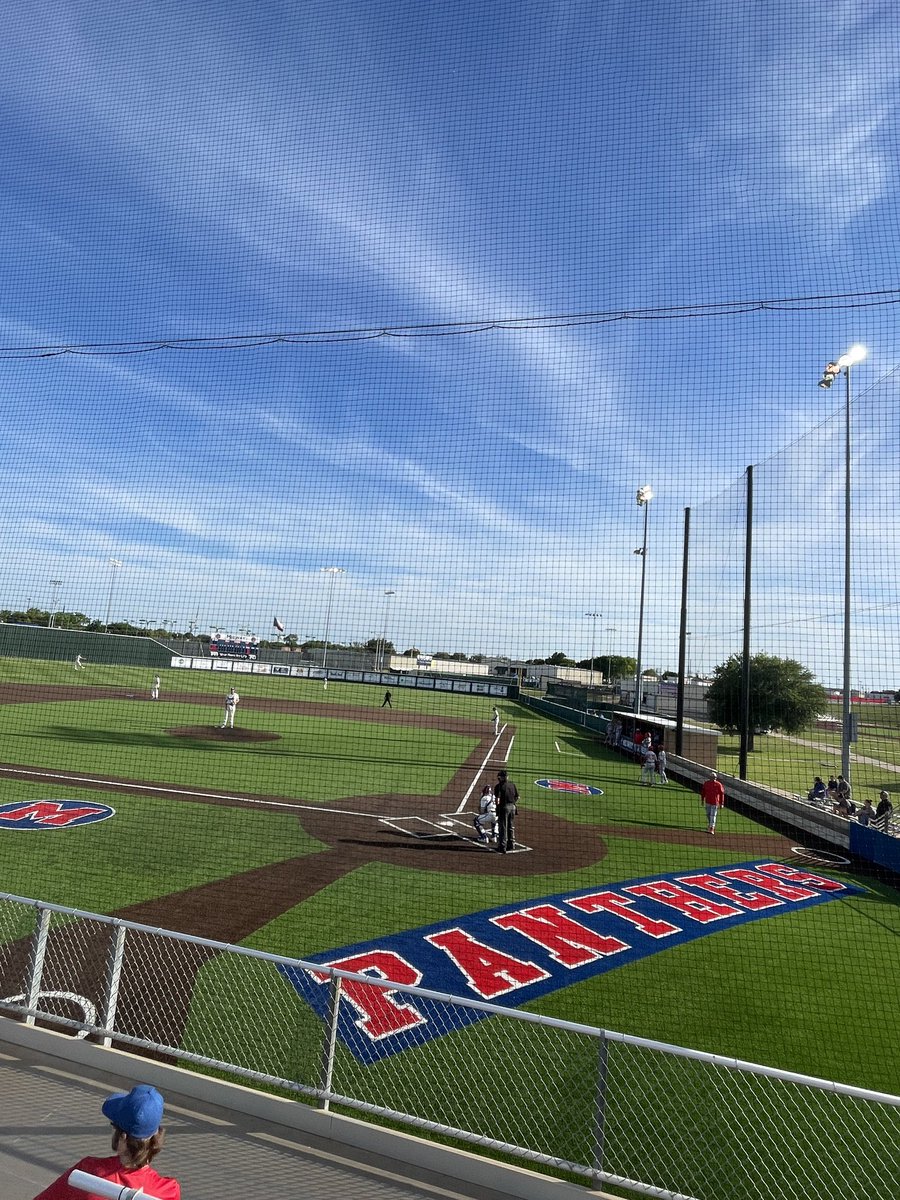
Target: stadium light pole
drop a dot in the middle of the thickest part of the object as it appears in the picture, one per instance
(56, 584)
(114, 564)
(687, 634)
(332, 573)
(643, 497)
(842, 367)
(387, 599)
(593, 616)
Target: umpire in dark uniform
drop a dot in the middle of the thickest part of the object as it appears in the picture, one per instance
(507, 807)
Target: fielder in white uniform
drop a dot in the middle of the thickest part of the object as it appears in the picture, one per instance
(231, 702)
(154, 691)
(495, 717)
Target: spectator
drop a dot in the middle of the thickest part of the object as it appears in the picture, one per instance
(883, 812)
(843, 807)
(844, 790)
(818, 790)
(832, 789)
(866, 814)
(138, 1136)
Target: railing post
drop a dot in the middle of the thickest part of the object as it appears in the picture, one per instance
(328, 1048)
(113, 977)
(36, 961)
(600, 1107)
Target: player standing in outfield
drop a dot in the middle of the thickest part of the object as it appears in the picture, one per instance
(231, 702)
(386, 702)
(712, 795)
(495, 717)
(507, 809)
(79, 663)
(154, 691)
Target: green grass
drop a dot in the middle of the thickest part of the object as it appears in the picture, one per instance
(315, 758)
(812, 991)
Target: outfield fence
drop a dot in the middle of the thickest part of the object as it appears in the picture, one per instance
(651, 1118)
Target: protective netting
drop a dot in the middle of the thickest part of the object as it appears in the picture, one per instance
(338, 342)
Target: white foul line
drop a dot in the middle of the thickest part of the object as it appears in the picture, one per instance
(558, 751)
(173, 791)
(462, 804)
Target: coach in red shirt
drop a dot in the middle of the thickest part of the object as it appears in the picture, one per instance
(712, 795)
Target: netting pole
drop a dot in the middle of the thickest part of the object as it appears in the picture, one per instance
(682, 636)
(745, 652)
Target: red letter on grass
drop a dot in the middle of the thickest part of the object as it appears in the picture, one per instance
(490, 972)
(622, 907)
(380, 1014)
(569, 942)
(694, 907)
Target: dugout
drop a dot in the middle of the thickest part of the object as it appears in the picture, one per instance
(697, 744)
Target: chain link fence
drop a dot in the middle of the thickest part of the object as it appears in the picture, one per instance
(616, 1110)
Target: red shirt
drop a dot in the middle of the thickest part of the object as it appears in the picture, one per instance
(712, 792)
(144, 1178)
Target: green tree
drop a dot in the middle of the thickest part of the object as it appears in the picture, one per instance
(412, 652)
(616, 666)
(783, 694)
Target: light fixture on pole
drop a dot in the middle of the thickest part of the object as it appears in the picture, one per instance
(643, 497)
(387, 598)
(114, 564)
(593, 616)
(332, 573)
(56, 584)
(853, 356)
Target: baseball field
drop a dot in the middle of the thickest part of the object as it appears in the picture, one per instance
(324, 820)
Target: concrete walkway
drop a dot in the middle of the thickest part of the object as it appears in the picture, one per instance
(223, 1141)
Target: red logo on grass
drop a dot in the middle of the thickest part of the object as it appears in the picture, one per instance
(566, 785)
(51, 814)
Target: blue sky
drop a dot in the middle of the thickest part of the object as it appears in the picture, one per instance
(229, 169)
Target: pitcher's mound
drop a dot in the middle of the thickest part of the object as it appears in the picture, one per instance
(213, 733)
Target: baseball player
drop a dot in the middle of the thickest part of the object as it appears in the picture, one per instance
(495, 717)
(231, 702)
(485, 821)
(154, 691)
(79, 663)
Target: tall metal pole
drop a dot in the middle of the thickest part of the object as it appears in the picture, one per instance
(644, 496)
(56, 584)
(114, 564)
(846, 716)
(387, 597)
(593, 616)
(683, 635)
(332, 573)
(746, 729)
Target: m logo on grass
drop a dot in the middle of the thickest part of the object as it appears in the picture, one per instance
(52, 814)
(514, 954)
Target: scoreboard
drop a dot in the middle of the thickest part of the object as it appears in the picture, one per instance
(229, 648)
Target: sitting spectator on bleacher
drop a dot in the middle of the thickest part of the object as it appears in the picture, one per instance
(866, 813)
(136, 1117)
(844, 790)
(883, 812)
(844, 807)
(817, 791)
(832, 790)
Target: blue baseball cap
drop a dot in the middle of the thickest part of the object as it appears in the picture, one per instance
(138, 1112)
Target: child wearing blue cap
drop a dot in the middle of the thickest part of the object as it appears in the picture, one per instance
(138, 1136)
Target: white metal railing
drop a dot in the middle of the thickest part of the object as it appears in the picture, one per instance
(656, 1119)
